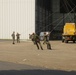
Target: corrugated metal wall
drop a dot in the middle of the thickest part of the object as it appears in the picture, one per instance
(18, 16)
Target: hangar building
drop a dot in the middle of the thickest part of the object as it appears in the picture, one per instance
(28, 16)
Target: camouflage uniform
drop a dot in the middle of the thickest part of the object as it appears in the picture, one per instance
(46, 41)
(13, 37)
(18, 37)
(31, 36)
(37, 40)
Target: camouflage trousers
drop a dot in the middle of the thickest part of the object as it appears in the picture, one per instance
(38, 43)
(48, 44)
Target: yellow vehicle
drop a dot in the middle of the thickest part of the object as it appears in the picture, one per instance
(69, 32)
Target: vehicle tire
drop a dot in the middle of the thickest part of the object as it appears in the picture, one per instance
(73, 41)
(62, 40)
(66, 41)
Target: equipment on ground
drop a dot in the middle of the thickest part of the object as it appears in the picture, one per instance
(42, 35)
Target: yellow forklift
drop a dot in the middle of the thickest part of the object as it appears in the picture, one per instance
(69, 33)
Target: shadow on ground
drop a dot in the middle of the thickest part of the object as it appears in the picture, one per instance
(37, 72)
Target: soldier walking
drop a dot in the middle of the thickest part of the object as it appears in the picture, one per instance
(46, 41)
(36, 40)
(31, 37)
(13, 37)
(18, 37)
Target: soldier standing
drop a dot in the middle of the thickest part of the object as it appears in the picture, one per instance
(29, 36)
(18, 37)
(36, 39)
(13, 37)
(46, 41)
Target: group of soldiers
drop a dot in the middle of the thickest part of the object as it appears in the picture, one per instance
(36, 40)
(17, 37)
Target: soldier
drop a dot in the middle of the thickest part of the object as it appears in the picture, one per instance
(13, 37)
(46, 41)
(18, 37)
(31, 37)
(36, 39)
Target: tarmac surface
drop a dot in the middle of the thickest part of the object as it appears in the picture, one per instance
(24, 58)
(7, 68)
